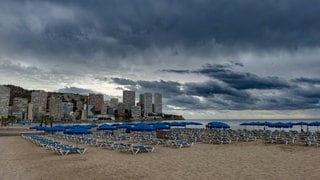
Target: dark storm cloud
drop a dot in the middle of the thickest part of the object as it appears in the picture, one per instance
(237, 80)
(307, 80)
(118, 28)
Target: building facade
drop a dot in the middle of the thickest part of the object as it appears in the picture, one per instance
(128, 100)
(158, 103)
(20, 108)
(39, 101)
(55, 107)
(147, 103)
(97, 101)
(4, 101)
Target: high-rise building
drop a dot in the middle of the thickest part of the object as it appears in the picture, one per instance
(39, 101)
(141, 103)
(55, 106)
(157, 103)
(128, 99)
(4, 101)
(20, 108)
(147, 104)
(97, 101)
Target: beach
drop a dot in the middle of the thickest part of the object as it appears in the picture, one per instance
(21, 159)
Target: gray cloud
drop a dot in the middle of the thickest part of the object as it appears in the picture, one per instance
(75, 90)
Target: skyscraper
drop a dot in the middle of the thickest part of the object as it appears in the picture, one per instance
(147, 104)
(55, 106)
(157, 103)
(39, 101)
(4, 101)
(129, 99)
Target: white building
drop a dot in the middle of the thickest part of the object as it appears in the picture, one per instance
(4, 101)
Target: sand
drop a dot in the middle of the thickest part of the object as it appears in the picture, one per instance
(20, 159)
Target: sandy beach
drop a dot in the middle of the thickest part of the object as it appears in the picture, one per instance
(20, 159)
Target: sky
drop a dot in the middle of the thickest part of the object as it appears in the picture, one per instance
(210, 59)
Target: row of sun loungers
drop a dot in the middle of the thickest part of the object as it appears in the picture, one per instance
(117, 146)
(58, 147)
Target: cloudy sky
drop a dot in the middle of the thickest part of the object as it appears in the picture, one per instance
(209, 58)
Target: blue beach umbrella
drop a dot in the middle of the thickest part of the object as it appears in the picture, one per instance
(142, 127)
(77, 131)
(182, 124)
(217, 125)
(280, 125)
(106, 127)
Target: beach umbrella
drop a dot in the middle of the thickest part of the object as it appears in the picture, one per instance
(178, 124)
(160, 126)
(218, 125)
(107, 127)
(280, 125)
(77, 131)
(142, 127)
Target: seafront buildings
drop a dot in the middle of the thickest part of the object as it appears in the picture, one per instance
(4, 101)
(32, 105)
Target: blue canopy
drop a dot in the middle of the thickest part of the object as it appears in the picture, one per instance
(255, 123)
(160, 126)
(77, 131)
(301, 123)
(123, 126)
(217, 125)
(54, 129)
(177, 124)
(106, 127)
(315, 123)
(280, 125)
(142, 127)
